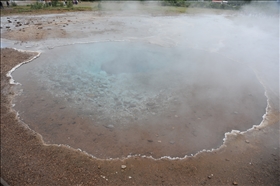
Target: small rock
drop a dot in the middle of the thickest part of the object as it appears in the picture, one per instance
(40, 27)
(149, 140)
(110, 126)
(247, 141)
(234, 183)
(209, 177)
(171, 142)
(99, 167)
(123, 166)
(129, 177)
(176, 116)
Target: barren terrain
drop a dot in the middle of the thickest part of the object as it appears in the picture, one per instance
(249, 157)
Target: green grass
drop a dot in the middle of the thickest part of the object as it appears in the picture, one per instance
(106, 6)
(26, 9)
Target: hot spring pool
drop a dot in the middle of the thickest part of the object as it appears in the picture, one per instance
(114, 99)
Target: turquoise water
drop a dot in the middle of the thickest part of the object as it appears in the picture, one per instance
(115, 74)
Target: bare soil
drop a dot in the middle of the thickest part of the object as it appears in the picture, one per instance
(247, 158)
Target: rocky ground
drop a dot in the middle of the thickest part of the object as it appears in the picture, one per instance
(245, 158)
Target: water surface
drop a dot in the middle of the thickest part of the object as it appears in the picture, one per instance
(113, 99)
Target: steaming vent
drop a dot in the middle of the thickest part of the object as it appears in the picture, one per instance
(116, 99)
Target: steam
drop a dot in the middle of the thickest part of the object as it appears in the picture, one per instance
(178, 78)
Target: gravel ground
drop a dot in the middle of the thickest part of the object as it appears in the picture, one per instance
(245, 158)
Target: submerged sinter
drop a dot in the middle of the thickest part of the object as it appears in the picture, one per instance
(113, 99)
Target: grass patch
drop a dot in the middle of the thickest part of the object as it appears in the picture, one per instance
(38, 9)
(159, 8)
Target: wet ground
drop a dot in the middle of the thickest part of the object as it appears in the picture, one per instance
(249, 48)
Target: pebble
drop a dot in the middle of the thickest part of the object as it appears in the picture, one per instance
(209, 177)
(123, 166)
(171, 142)
(234, 183)
(110, 126)
(149, 140)
(247, 141)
